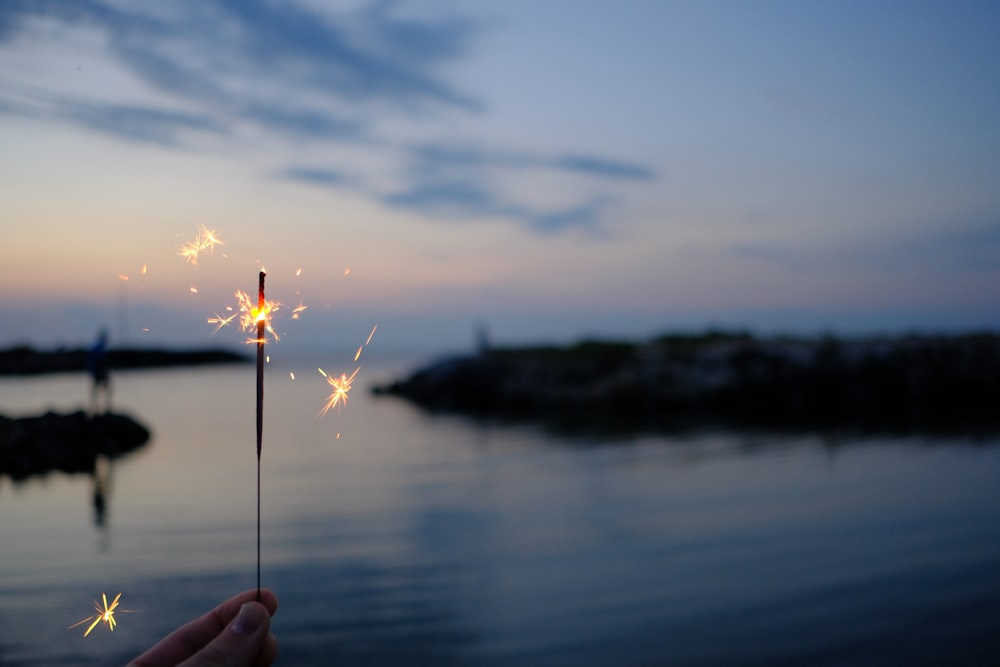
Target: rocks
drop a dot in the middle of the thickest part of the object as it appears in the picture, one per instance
(905, 383)
(24, 360)
(65, 442)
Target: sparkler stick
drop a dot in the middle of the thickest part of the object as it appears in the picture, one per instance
(261, 330)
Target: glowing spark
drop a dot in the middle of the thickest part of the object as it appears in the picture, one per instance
(220, 321)
(105, 614)
(298, 310)
(291, 375)
(204, 241)
(193, 289)
(341, 386)
(122, 276)
(189, 252)
(365, 344)
(143, 272)
(298, 272)
(347, 271)
(251, 314)
(145, 329)
(208, 239)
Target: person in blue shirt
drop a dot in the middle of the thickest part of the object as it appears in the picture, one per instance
(100, 374)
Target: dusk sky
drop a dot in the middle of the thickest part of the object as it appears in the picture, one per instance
(551, 169)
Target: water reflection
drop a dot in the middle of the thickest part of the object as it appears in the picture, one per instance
(433, 540)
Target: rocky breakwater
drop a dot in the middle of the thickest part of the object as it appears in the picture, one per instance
(67, 443)
(25, 360)
(899, 384)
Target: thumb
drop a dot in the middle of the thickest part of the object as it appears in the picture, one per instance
(244, 642)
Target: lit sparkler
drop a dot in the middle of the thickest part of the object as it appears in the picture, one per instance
(105, 614)
(261, 316)
(257, 316)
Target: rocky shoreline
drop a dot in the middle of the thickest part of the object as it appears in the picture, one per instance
(69, 443)
(908, 383)
(25, 360)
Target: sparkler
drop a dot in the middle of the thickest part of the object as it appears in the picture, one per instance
(105, 614)
(261, 317)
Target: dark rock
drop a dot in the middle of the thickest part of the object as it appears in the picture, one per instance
(24, 360)
(67, 443)
(899, 384)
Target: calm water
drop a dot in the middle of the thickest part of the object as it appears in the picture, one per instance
(418, 540)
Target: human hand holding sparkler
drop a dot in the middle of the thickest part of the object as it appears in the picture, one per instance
(234, 634)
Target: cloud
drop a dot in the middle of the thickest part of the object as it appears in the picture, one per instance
(582, 216)
(467, 199)
(604, 168)
(966, 247)
(452, 199)
(315, 176)
(140, 123)
(290, 71)
(238, 58)
(431, 157)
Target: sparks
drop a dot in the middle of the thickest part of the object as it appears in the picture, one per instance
(341, 387)
(220, 321)
(105, 614)
(298, 310)
(361, 347)
(205, 240)
(251, 314)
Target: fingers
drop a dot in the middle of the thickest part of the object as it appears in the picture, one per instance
(187, 640)
(243, 643)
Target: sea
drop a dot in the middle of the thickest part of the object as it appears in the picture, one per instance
(394, 536)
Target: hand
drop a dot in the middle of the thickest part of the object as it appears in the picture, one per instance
(234, 634)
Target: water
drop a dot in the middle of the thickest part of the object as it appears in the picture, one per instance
(413, 539)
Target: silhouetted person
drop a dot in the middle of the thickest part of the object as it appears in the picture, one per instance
(97, 365)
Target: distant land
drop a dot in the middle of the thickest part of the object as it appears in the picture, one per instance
(719, 378)
(69, 443)
(25, 360)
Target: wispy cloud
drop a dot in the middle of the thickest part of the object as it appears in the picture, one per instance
(290, 70)
(434, 157)
(965, 247)
(315, 176)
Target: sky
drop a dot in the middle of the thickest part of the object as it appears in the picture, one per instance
(546, 170)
